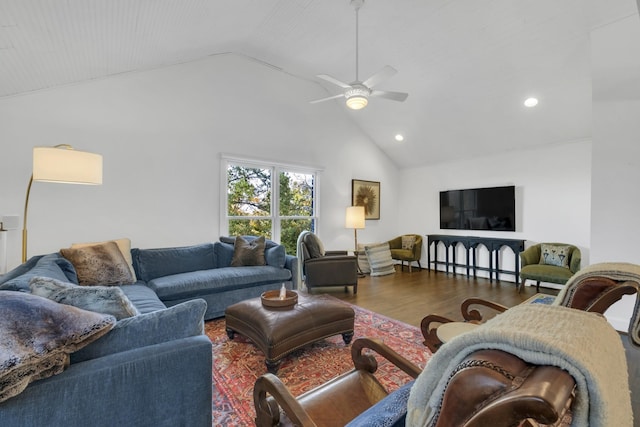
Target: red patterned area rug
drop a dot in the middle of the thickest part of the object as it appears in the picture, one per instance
(238, 363)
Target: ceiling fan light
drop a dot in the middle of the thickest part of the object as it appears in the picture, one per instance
(357, 102)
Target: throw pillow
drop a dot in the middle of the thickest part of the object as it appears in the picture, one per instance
(99, 299)
(248, 253)
(37, 335)
(314, 245)
(557, 255)
(124, 245)
(408, 242)
(101, 264)
(380, 259)
(363, 261)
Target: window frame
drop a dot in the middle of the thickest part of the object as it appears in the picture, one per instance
(274, 216)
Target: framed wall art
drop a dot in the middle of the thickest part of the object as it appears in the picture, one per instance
(367, 194)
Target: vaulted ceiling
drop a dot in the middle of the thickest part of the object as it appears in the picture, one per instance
(467, 65)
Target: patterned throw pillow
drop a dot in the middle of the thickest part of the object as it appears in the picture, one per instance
(408, 242)
(380, 259)
(99, 299)
(248, 253)
(557, 255)
(101, 264)
(363, 261)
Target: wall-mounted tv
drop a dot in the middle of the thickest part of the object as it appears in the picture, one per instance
(478, 209)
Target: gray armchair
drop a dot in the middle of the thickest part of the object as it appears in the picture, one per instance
(320, 268)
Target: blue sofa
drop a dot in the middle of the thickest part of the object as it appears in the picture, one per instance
(153, 369)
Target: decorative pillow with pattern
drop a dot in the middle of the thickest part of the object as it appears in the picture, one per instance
(408, 242)
(380, 259)
(101, 264)
(557, 255)
(248, 253)
(363, 261)
(99, 299)
(124, 245)
(53, 330)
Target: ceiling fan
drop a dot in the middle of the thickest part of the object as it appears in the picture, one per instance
(358, 92)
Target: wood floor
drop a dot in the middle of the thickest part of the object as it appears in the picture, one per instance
(409, 297)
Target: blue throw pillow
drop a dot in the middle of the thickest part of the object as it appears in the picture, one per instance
(152, 263)
(47, 266)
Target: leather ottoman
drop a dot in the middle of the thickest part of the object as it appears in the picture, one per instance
(279, 331)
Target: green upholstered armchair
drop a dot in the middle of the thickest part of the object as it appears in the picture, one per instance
(409, 255)
(533, 266)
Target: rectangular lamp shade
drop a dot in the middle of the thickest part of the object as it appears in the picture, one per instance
(355, 217)
(66, 165)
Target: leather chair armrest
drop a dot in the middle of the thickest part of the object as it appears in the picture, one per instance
(335, 253)
(331, 271)
(368, 362)
(268, 407)
(475, 315)
(429, 333)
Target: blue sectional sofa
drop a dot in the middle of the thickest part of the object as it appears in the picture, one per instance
(152, 369)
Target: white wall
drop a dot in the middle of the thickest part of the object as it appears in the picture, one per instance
(161, 133)
(615, 230)
(553, 197)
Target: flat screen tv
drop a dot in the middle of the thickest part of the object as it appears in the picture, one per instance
(478, 209)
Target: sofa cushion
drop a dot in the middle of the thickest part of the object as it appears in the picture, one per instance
(195, 283)
(180, 321)
(52, 265)
(143, 298)
(380, 259)
(152, 263)
(546, 273)
(101, 264)
(557, 255)
(248, 253)
(53, 330)
(100, 299)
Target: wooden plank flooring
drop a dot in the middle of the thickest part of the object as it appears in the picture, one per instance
(409, 297)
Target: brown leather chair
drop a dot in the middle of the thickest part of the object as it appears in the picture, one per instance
(586, 291)
(490, 387)
(322, 268)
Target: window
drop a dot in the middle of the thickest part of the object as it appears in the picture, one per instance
(275, 201)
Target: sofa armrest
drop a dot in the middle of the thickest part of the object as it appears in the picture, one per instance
(291, 264)
(167, 384)
(180, 321)
(530, 256)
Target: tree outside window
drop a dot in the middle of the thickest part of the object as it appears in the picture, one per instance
(270, 201)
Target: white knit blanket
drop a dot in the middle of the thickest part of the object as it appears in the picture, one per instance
(618, 271)
(584, 344)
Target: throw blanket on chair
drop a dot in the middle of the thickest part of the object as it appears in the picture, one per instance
(618, 271)
(584, 344)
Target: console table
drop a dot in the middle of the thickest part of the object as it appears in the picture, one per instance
(471, 244)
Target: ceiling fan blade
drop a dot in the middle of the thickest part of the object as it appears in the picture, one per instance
(395, 96)
(380, 76)
(334, 81)
(326, 99)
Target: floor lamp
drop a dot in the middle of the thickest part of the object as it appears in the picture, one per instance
(355, 220)
(61, 164)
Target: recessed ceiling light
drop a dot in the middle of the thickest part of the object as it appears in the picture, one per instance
(531, 102)
(399, 138)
